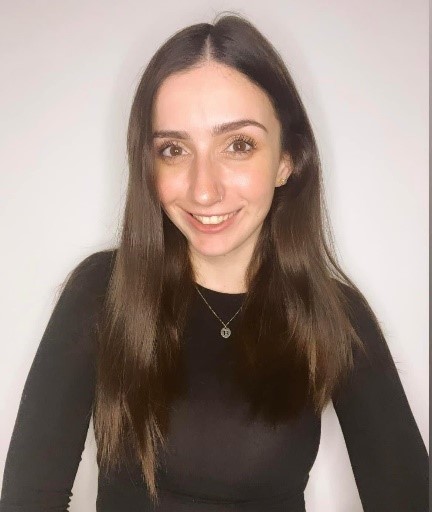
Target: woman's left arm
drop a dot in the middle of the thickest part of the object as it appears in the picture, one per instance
(387, 453)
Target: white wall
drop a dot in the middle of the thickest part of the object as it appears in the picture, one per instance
(68, 74)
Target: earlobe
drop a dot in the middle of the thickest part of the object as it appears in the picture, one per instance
(285, 170)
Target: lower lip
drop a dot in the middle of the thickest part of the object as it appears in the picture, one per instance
(211, 228)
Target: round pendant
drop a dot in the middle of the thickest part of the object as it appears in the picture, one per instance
(225, 332)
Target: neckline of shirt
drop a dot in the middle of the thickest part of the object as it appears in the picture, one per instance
(217, 293)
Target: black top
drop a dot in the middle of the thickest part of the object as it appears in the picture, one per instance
(216, 461)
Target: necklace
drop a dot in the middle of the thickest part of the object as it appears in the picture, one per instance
(225, 331)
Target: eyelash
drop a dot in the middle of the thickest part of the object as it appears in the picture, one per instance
(241, 138)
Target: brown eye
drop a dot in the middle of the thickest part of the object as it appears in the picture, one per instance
(241, 145)
(171, 151)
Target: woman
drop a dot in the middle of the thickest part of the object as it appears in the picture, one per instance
(207, 344)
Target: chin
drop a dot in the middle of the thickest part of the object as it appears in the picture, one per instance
(210, 251)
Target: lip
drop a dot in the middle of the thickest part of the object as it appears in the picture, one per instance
(211, 228)
(213, 214)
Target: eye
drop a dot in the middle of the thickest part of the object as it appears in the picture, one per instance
(242, 145)
(170, 150)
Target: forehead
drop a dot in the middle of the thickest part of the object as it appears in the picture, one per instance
(210, 94)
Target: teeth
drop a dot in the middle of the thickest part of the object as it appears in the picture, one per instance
(214, 219)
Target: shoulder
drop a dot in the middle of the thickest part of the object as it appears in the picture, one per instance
(368, 328)
(358, 308)
(95, 269)
(88, 280)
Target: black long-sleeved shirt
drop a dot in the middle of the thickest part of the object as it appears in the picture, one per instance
(216, 460)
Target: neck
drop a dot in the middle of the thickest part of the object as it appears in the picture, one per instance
(220, 274)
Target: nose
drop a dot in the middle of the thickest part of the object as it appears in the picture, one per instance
(205, 184)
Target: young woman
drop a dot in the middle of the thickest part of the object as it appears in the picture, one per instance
(207, 344)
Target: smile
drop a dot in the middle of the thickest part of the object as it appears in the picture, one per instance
(213, 219)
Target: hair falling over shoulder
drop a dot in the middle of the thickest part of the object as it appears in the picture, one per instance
(295, 339)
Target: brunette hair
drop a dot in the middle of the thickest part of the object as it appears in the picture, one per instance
(295, 337)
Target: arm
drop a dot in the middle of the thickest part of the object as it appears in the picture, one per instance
(55, 408)
(387, 452)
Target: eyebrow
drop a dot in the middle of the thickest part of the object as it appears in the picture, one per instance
(216, 130)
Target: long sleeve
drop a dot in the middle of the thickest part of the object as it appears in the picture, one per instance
(55, 408)
(386, 450)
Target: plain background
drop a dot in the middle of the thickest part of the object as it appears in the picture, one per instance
(68, 74)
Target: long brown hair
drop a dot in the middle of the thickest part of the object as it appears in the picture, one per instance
(295, 337)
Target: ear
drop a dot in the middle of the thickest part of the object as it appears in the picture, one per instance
(285, 169)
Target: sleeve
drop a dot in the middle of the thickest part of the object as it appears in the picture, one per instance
(387, 453)
(56, 403)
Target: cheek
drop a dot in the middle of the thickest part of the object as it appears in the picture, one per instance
(167, 189)
(257, 184)
(163, 192)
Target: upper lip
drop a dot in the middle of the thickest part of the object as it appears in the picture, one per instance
(213, 214)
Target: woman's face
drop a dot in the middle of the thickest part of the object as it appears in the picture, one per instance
(217, 154)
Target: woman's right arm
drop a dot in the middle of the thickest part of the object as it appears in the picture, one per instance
(55, 409)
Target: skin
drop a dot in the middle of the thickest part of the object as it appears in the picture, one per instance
(209, 173)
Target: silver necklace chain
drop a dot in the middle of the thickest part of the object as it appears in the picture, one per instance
(225, 331)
